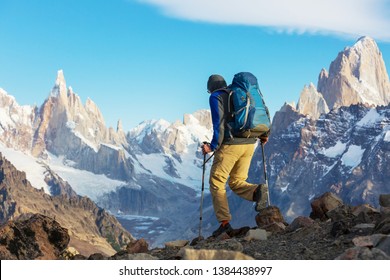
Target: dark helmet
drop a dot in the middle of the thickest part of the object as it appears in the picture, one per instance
(215, 82)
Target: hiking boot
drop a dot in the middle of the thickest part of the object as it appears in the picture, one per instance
(261, 197)
(226, 228)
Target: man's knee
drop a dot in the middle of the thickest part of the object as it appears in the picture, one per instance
(234, 182)
(216, 188)
(218, 179)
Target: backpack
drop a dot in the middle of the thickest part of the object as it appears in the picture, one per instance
(249, 116)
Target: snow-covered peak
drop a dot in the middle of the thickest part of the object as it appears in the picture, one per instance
(59, 89)
(16, 122)
(6, 99)
(174, 137)
(60, 77)
(67, 120)
(363, 44)
(148, 127)
(3, 92)
(200, 117)
(12, 112)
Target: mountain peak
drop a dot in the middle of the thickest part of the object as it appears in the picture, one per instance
(119, 127)
(311, 102)
(200, 117)
(365, 41)
(364, 46)
(60, 77)
(59, 89)
(357, 75)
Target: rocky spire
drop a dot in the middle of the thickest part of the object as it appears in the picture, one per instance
(284, 117)
(59, 89)
(119, 127)
(357, 75)
(311, 102)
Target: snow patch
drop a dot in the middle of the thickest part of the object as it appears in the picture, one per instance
(190, 174)
(147, 127)
(370, 118)
(5, 119)
(35, 172)
(71, 124)
(335, 151)
(386, 138)
(113, 147)
(83, 182)
(86, 141)
(92, 132)
(136, 217)
(353, 156)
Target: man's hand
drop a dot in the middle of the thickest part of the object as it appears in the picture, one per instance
(206, 148)
(264, 139)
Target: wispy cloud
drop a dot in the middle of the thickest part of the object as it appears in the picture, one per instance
(341, 17)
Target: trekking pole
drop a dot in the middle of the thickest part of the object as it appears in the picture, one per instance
(201, 198)
(265, 172)
(202, 194)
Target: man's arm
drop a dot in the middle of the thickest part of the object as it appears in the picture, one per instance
(217, 117)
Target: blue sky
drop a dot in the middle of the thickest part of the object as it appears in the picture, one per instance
(150, 59)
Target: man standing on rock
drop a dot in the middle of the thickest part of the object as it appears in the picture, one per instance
(232, 158)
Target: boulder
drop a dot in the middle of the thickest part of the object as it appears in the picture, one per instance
(340, 228)
(384, 245)
(385, 211)
(256, 234)
(379, 241)
(363, 253)
(299, 222)
(268, 216)
(275, 228)
(364, 208)
(368, 241)
(137, 246)
(341, 213)
(384, 200)
(383, 226)
(323, 204)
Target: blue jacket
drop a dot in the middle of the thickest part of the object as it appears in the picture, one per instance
(219, 115)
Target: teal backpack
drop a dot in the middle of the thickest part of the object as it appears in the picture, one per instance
(249, 115)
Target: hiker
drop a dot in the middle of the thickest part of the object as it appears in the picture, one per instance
(232, 158)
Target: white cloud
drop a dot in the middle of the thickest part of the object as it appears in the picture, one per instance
(342, 17)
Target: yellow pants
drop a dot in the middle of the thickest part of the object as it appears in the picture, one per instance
(233, 161)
